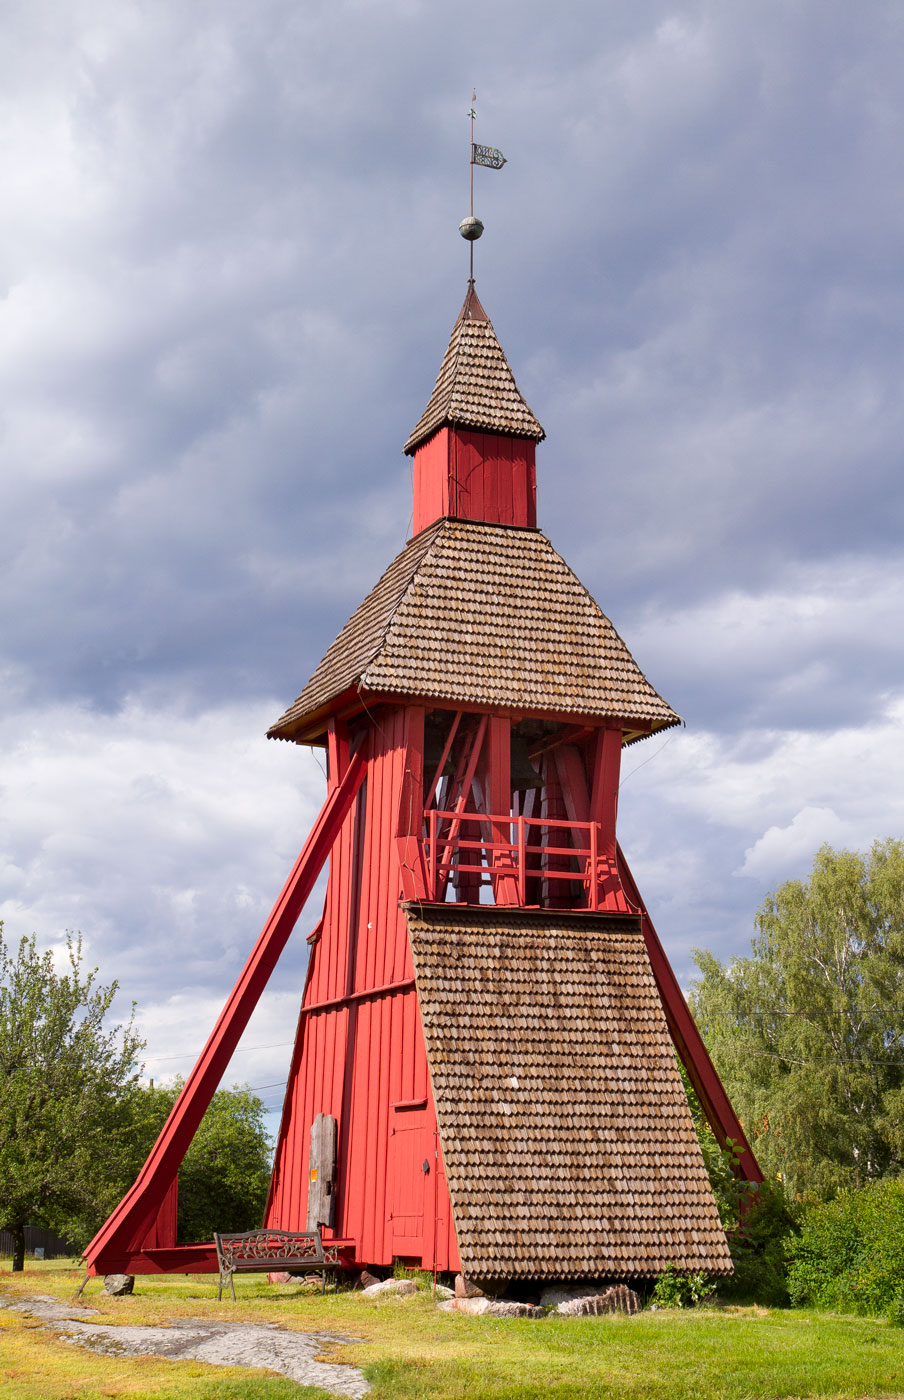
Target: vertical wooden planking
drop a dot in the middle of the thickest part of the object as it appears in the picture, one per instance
(430, 477)
(388, 860)
(369, 1088)
(408, 790)
(385, 1019)
(492, 478)
(353, 1145)
(495, 474)
(474, 476)
(355, 1060)
(361, 976)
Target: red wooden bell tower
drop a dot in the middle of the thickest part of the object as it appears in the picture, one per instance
(488, 1020)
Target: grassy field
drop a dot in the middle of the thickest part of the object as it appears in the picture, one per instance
(408, 1349)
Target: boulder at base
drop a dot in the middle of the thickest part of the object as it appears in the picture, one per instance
(492, 1307)
(399, 1286)
(617, 1299)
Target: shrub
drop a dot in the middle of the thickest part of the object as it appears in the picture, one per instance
(850, 1252)
(677, 1290)
(759, 1248)
(756, 1219)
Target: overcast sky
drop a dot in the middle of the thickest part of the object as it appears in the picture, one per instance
(229, 265)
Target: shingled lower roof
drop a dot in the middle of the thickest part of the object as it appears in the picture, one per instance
(475, 387)
(567, 1139)
(478, 614)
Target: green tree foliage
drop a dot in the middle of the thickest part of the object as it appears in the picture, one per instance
(757, 1220)
(225, 1174)
(850, 1252)
(66, 1084)
(674, 1289)
(808, 1032)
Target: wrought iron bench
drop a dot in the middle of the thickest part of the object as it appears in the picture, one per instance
(271, 1251)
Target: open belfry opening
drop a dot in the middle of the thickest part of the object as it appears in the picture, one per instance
(484, 1076)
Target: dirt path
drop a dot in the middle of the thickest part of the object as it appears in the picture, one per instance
(292, 1354)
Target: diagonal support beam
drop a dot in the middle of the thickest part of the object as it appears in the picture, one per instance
(126, 1228)
(688, 1041)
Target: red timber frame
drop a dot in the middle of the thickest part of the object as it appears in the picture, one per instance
(406, 819)
(140, 1235)
(434, 825)
(360, 1054)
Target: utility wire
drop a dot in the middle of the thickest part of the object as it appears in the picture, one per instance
(241, 1049)
(815, 1015)
(823, 1059)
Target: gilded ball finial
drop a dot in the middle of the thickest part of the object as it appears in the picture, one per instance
(470, 228)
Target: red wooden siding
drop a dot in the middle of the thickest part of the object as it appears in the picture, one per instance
(118, 1245)
(431, 481)
(360, 1052)
(475, 476)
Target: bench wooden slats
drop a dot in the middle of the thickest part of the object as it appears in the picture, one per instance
(270, 1251)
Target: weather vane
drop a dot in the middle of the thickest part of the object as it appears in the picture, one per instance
(471, 228)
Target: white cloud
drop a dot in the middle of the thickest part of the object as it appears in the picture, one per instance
(713, 822)
(791, 848)
(228, 267)
(164, 836)
(817, 646)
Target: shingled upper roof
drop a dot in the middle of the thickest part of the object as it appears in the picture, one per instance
(479, 614)
(567, 1139)
(475, 387)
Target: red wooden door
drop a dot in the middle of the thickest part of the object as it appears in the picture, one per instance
(411, 1168)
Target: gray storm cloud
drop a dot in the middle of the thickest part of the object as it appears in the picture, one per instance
(228, 269)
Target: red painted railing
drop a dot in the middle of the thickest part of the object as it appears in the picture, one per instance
(507, 860)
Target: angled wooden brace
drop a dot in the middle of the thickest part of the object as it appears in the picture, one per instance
(128, 1225)
(686, 1039)
(689, 1043)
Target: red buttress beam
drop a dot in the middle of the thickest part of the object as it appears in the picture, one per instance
(688, 1041)
(128, 1224)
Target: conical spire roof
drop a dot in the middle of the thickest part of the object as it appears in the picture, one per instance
(475, 387)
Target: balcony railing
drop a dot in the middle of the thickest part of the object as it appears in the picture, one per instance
(452, 847)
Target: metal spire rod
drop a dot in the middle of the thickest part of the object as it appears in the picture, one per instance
(473, 115)
(471, 228)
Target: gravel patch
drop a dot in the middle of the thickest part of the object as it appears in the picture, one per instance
(291, 1354)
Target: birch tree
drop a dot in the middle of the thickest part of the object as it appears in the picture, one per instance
(808, 1032)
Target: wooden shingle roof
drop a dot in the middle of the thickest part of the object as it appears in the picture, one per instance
(475, 387)
(568, 1143)
(484, 615)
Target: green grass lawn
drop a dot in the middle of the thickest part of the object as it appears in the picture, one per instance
(409, 1349)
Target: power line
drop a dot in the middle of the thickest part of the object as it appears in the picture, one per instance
(823, 1060)
(241, 1049)
(882, 1011)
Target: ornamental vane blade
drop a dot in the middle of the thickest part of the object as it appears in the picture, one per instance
(487, 155)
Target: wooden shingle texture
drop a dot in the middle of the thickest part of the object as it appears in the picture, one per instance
(475, 387)
(566, 1134)
(484, 615)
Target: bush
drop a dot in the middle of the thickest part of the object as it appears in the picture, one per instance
(756, 1219)
(759, 1248)
(850, 1252)
(677, 1290)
